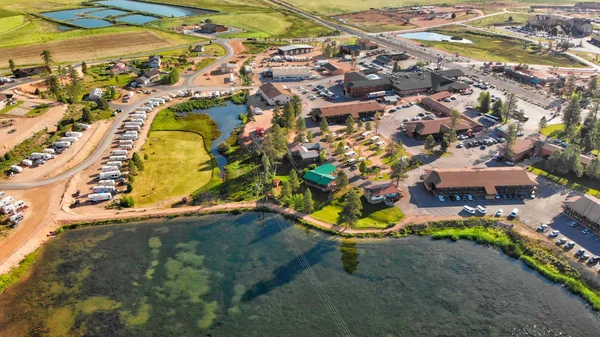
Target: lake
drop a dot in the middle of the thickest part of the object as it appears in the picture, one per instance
(91, 23)
(153, 8)
(428, 36)
(70, 14)
(257, 275)
(137, 19)
(227, 117)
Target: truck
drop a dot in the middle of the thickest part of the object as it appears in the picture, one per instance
(126, 146)
(119, 152)
(109, 175)
(126, 141)
(73, 134)
(69, 139)
(107, 182)
(6, 201)
(16, 169)
(99, 197)
(49, 150)
(26, 162)
(129, 136)
(104, 189)
(132, 127)
(375, 94)
(109, 168)
(61, 144)
(117, 158)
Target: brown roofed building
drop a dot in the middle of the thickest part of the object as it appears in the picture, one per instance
(438, 108)
(585, 209)
(388, 193)
(340, 112)
(365, 44)
(212, 28)
(437, 127)
(487, 182)
(275, 93)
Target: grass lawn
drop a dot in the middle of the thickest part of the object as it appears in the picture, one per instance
(582, 184)
(205, 62)
(488, 47)
(373, 216)
(554, 130)
(38, 111)
(501, 20)
(382, 28)
(177, 165)
(259, 47)
(10, 107)
(214, 49)
(10, 22)
(592, 57)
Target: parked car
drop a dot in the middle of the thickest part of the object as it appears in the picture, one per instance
(469, 210)
(574, 224)
(542, 228)
(585, 231)
(509, 163)
(554, 234)
(570, 245)
(481, 209)
(469, 197)
(441, 198)
(580, 252)
(594, 260)
(561, 242)
(499, 212)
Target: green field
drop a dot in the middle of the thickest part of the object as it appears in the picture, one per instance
(554, 130)
(373, 216)
(501, 20)
(10, 107)
(489, 47)
(177, 165)
(10, 23)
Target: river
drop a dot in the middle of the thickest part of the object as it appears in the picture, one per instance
(226, 275)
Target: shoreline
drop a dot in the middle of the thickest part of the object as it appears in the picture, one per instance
(506, 237)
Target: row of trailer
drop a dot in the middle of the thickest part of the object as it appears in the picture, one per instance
(14, 209)
(40, 158)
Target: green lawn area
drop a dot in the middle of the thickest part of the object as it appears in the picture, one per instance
(373, 216)
(501, 20)
(554, 130)
(214, 49)
(592, 57)
(10, 107)
(583, 184)
(177, 165)
(10, 22)
(489, 47)
(38, 111)
(382, 28)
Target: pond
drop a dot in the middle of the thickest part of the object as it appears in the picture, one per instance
(106, 13)
(227, 117)
(138, 19)
(429, 36)
(91, 23)
(70, 14)
(257, 275)
(152, 8)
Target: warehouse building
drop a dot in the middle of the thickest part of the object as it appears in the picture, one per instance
(338, 113)
(296, 49)
(585, 209)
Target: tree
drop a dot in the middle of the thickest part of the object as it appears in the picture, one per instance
(173, 76)
(511, 136)
(363, 168)
(593, 169)
(275, 144)
(398, 171)
(309, 136)
(542, 123)
(510, 19)
(377, 118)
(286, 192)
(339, 148)
(11, 65)
(324, 125)
(102, 104)
(47, 58)
(300, 124)
(309, 203)
(497, 108)
(444, 145)
(392, 149)
(289, 115)
(224, 148)
(509, 106)
(569, 87)
(455, 117)
(592, 86)
(352, 208)
(341, 180)
(86, 115)
(53, 85)
(453, 16)
(294, 180)
(266, 164)
(484, 101)
(429, 143)
(587, 133)
(368, 126)
(359, 125)
(350, 125)
(84, 68)
(572, 114)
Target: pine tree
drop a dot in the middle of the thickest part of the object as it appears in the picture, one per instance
(572, 114)
(350, 125)
(497, 109)
(593, 169)
(300, 124)
(368, 126)
(294, 180)
(339, 148)
(352, 208)
(11, 65)
(84, 68)
(324, 125)
(444, 145)
(309, 203)
(484, 102)
(542, 123)
(509, 106)
(86, 116)
(398, 171)
(429, 143)
(286, 192)
(341, 179)
(363, 167)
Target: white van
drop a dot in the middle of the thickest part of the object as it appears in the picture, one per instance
(469, 210)
(514, 213)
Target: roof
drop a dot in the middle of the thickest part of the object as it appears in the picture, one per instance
(330, 67)
(426, 127)
(450, 73)
(303, 148)
(353, 109)
(586, 206)
(284, 71)
(96, 92)
(487, 178)
(434, 80)
(272, 90)
(294, 47)
(440, 95)
(523, 145)
(321, 175)
(227, 65)
(309, 155)
(436, 106)
(383, 189)
(3, 97)
(211, 26)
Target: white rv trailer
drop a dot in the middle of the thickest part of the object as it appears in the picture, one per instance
(6, 201)
(126, 141)
(104, 189)
(74, 134)
(107, 182)
(126, 146)
(61, 144)
(50, 151)
(115, 163)
(109, 175)
(119, 152)
(100, 197)
(16, 169)
(69, 139)
(26, 162)
(129, 136)
(109, 168)
(119, 158)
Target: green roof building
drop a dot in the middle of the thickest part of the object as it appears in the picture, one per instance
(321, 177)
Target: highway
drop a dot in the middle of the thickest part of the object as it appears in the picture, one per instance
(112, 132)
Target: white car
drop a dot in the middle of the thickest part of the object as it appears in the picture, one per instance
(499, 213)
(554, 234)
(481, 209)
(470, 197)
(509, 163)
(350, 154)
(441, 198)
(469, 210)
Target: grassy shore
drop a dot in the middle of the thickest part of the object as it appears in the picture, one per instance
(15, 274)
(501, 20)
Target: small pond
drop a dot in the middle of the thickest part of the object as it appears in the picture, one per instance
(107, 12)
(429, 36)
(70, 14)
(63, 28)
(138, 19)
(158, 9)
(91, 23)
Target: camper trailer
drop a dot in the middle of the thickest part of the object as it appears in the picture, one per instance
(140, 124)
(109, 175)
(117, 158)
(8, 209)
(99, 197)
(26, 162)
(126, 141)
(129, 136)
(119, 152)
(107, 182)
(15, 218)
(126, 146)
(84, 126)
(74, 134)
(16, 169)
(132, 127)
(50, 151)
(117, 163)
(137, 120)
(61, 144)
(104, 189)
(109, 168)
(19, 204)
(37, 155)
(6, 201)
(69, 139)
(138, 116)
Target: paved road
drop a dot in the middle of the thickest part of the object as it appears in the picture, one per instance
(108, 138)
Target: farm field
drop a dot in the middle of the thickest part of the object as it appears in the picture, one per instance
(487, 47)
(98, 44)
(501, 20)
(177, 165)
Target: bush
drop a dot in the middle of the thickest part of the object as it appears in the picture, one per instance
(126, 202)
(224, 148)
(129, 187)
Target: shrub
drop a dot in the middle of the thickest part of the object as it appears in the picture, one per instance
(126, 202)
(224, 148)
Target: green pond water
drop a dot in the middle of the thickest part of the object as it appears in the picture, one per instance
(258, 275)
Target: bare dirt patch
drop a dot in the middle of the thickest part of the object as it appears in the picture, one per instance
(86, 48)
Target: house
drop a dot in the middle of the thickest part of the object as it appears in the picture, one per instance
(95, 94)
(487, 182)
(438, 108)
(303, 155)
(148, 77)
(290, 73)
(154, 62)
(295, 49)
(545, 149)
(212, 28)
(390, 59)
(117, 68)
(5, 100)
(365, 44)
(410, 83)
(198, 49)
(437, 127)
(585, 209)
(321, 177)
(228, 68)
(388, 193)
(352, 50)
(338, 113)
(27, 72)
(275, 93)
(360, 84)
(332, 69)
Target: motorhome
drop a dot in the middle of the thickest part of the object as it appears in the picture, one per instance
(117, 158)
(73, 134)
(61, 144)
(109, 168)
(109, 175)
(100, 197)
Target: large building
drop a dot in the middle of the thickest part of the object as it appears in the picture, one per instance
(275, 93)
(338, 113)
(438, 126)
(302, 155)
(388, 193)
(360, 84)
(296, 49)
(487, 182)
(366, 44)
(212, 28)
(555, 24)
(290, 73)
(26, 72)
(585, 209)
(390, 59)
(322, 177)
